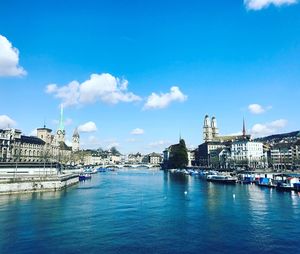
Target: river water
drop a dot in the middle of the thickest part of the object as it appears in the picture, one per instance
(149, 211)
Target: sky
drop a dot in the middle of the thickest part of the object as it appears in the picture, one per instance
(138, 74)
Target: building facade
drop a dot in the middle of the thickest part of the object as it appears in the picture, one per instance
(246, 153)
(45, 147)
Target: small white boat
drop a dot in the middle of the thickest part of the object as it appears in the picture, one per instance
(221, 179)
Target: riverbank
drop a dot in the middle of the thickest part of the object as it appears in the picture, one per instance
(34, 183)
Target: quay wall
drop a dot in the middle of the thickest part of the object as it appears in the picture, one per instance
(33, 183)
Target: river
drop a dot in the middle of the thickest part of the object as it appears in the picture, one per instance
(149, 211)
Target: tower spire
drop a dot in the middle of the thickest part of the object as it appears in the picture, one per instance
(244, 128)
(61, 121)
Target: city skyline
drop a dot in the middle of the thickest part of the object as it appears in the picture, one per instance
(135, 75)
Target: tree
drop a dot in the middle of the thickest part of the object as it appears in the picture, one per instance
(178, 156)
(114, 151)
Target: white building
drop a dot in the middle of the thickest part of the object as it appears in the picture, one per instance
(248, 153)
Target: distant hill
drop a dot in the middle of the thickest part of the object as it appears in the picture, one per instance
(278, 137)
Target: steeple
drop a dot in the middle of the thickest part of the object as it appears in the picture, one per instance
(207, 130)
(214, 127)
(244, 128)
(61, 128)
(75, 141)
(76, 133)
(61, 121)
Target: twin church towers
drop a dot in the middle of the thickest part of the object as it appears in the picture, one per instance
(210, 129)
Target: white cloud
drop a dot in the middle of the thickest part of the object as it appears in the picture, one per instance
(266, 129)
(132, 140)
(260, 4)
(113, 144)
(9, 59)
(6, 122)
(33, 133)
(87, 127)
(91, 142)
(100, 87)
(159, 144)
(69, 94)
(258, 109)
(158, 101)
(137, 131)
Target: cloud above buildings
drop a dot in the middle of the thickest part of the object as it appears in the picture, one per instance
(67, 122)
(6, 122)
(9, 59)
(260, 4)
(99, 87)
(137, 131)
(259, 130)
(258, 109)
(163, 100)
(159, 144)
(87, 127)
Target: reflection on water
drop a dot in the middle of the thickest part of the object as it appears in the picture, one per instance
(142, 211)
(21, 197)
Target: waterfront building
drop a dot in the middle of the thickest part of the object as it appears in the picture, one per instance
(17, 147)
(134, 158)
(247, 153)
(206, 152)
(282, 156)
(296, 152)
(45, 147)
(154, 158)
(191, 157)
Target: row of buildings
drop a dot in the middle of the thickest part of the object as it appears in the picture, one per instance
(94, 157)
(241, 151)
(44, 147)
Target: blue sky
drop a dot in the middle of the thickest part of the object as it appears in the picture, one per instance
(141, 72)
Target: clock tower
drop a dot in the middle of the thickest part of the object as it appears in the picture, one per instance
(75, 141)
(61, 129)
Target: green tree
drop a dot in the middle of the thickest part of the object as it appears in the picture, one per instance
(114, 151)
(178, 156)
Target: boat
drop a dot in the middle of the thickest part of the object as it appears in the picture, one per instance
(266, 182)
(289, 184)
(83, 177)
(221, 179)
(248, 180)
(90, 171)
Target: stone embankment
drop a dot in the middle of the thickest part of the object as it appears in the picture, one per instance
(10, 184)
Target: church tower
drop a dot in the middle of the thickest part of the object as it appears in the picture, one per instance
(214, 128)
(75, 141)
(244, 129)
(207, 130)
(61, 129)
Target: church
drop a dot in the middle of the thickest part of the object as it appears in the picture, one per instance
(45, 147)
(211, 132)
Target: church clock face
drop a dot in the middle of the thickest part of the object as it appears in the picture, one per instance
(59, 132)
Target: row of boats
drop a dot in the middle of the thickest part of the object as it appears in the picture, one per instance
(282, 181)
(86, 173)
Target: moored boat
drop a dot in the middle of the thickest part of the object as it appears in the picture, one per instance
(83, 177)
(221, 179)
